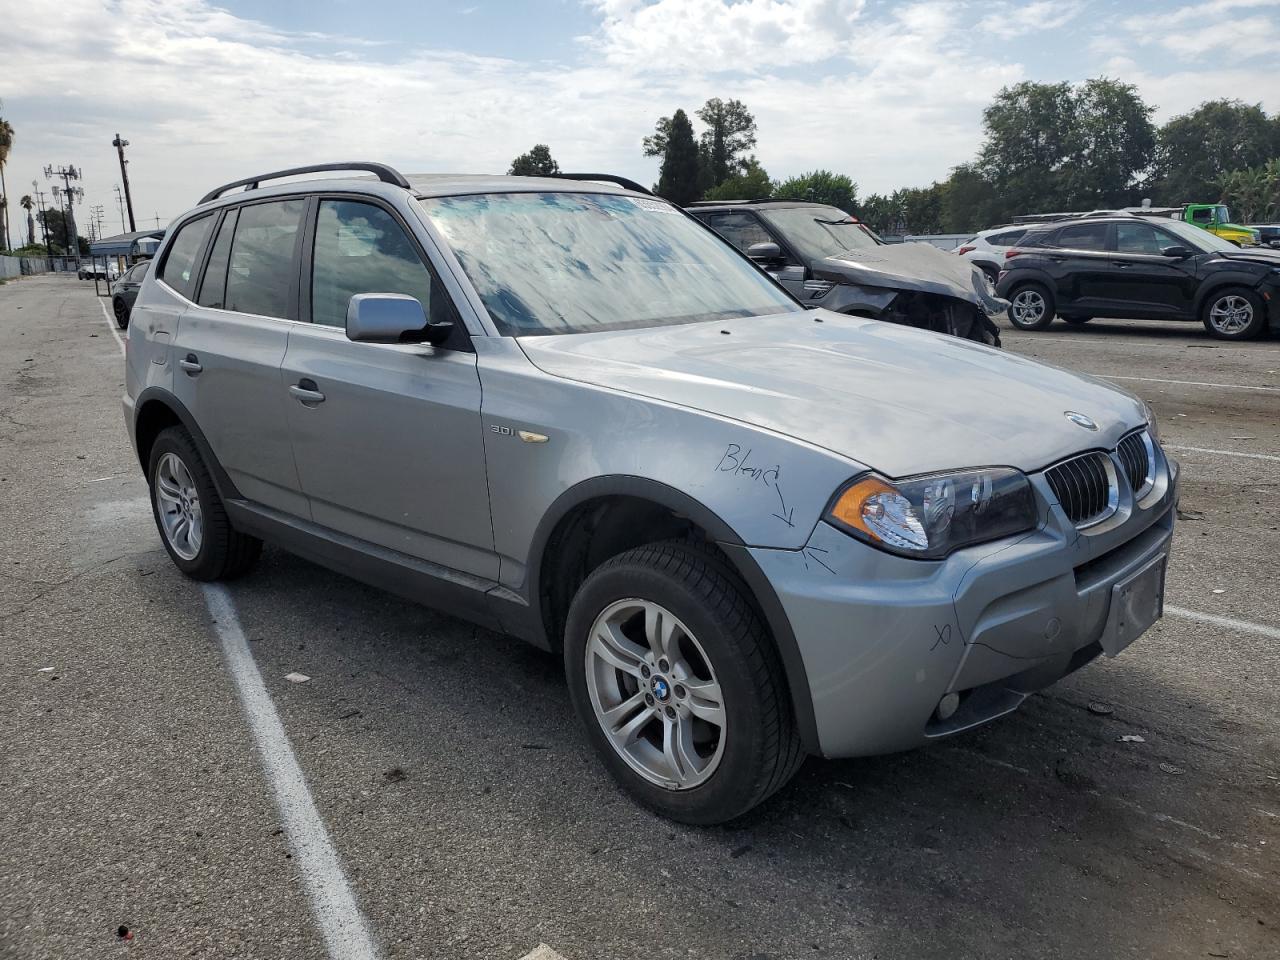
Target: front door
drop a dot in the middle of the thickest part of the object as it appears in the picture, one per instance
(744, 229)
(1145, 282)
(387, 437)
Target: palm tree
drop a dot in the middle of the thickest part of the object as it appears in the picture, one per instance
(27, 203)
(6, 141)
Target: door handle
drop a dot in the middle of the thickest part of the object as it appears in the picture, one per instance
(307, 392)
(191, 364)
(1120, 263)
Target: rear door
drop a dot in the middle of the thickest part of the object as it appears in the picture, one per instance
(232, 342)
(1080, 265)
(1142, 281)
(388, 437)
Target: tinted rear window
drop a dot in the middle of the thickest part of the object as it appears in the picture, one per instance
(1082, 236)
(259, 273)
(179, 267)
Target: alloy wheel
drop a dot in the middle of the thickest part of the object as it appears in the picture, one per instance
(1027, 307)
(178, 504)
(655, 694)
(1231, 315)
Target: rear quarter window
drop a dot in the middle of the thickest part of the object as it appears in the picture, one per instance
(179, 268)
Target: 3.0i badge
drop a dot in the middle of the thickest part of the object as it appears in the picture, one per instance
(1080, 420)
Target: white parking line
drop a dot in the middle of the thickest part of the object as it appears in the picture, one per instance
(1193, 383)
(341, 924)
(1244, 626)
(1223, 453)
(1111, 342)
(542, 952)
(111, 325)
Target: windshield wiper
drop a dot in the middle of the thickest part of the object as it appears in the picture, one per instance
(835, 223)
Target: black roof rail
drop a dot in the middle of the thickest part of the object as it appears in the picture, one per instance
(723, 203)
(384, 173)
(603, 178)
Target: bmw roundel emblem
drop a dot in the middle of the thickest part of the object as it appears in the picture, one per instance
(661, 689)
(1080, 420)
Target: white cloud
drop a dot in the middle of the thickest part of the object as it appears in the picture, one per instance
(1014, 19)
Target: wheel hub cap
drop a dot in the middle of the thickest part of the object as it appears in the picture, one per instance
(1231, 314)
(178, 506)
(655, 694)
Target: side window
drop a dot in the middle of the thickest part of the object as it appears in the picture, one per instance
(1007, 239)
(178, 269)
(1203, 215)
(360, 248)
(740, 229)
(213, 287)
(1137, 238)
(1083, 236)
(258, 270)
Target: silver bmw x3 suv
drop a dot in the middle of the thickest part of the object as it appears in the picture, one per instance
(565, 410)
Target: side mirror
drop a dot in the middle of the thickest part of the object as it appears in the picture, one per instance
(391, 318)
(1178, 252)
(765, 252)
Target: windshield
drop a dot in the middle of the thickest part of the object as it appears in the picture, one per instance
(820, 232)
(1197, 237)
(546, 263)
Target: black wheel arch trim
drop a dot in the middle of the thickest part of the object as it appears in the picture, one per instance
(226, 489)
(732, 545)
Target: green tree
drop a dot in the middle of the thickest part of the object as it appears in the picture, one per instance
(970, 203)
(538, 162)
(1251, 193)
(27, 204)
(55, 223)
(921, 208)
(1052, 146)
(1196, 150)
(881, 214)
(6, 144)
(730, 133)
(821, 186)
(752, 183)
(678, 178)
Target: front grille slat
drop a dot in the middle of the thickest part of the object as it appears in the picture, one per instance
(1085, 487)
(1136, 457)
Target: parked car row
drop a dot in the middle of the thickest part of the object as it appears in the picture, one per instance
(752, 528)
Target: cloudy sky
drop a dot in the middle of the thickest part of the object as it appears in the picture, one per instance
(889, 92)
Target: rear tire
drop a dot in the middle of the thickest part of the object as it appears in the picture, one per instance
(1076, 321)
(1031, 306)
(1234, 313)
(121, 312)
(678, 625)
(189, 514)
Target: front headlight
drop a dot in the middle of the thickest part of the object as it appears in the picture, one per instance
(929, 517)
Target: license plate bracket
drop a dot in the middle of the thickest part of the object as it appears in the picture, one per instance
(1137, 602)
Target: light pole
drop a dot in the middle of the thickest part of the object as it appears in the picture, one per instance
(124, 176)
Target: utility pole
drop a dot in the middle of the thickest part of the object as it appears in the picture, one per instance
(96, 213)
(120, 204)
(157, 219)
(44, 227)
(68, 173)
(124, 176)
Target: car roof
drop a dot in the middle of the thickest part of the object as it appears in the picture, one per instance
(715, 205)
(456, 184)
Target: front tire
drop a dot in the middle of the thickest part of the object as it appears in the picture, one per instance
(1234, 313)
(189, 514)
(1031, 306)
(674, 676)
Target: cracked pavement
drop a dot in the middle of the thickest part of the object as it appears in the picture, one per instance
(461, 797)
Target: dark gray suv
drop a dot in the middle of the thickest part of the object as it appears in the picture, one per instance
(568, 411)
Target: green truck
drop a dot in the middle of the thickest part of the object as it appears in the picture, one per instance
(1214, 217)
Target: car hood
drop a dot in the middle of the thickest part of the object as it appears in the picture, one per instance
(912, 266)
(1253, 255)
(900, 400)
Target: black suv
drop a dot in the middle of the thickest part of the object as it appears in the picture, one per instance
(826, 258)
(1130, 266)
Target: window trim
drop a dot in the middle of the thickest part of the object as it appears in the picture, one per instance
(306, 272)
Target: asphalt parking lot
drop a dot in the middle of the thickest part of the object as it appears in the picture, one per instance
(1131, 811)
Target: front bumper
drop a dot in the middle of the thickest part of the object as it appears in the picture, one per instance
(885, 638)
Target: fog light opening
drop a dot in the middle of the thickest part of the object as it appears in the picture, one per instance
(947, 706)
